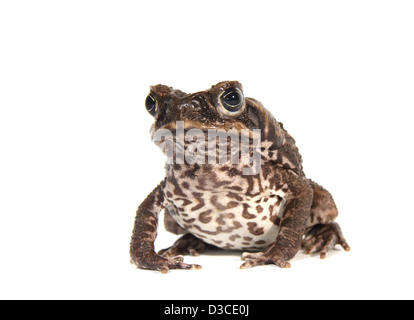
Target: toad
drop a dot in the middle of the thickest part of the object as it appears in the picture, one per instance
(264, 206)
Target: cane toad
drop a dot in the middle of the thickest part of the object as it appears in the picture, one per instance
(268, 213)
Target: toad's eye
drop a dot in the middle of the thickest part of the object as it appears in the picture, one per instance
(231, 100)
(151, 104)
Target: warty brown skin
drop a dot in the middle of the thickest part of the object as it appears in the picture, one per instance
(270, 215)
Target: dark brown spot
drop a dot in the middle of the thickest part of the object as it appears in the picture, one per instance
(234, 237)
(199, 198)
(232, 204)
(192, 172)
(279, 200)
(234, 196)
(219, 184)
(221, 217)
(212, 233)
(214, 202)
(250, 184)
(204, 216)
(259, 209)
(220, 220)
(233, 172)
(235, 188)
(237, 225)
(246, 214)
(254, 229)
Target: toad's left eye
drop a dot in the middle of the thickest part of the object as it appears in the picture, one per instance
(151, 104)
(232, 100)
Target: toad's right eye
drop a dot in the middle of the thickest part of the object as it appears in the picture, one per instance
(151, 104)
(231, 102)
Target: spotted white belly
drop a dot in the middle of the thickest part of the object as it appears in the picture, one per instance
(230, 220)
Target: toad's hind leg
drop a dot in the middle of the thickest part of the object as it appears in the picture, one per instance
(185, 245)
(323, 209)
(322, 233)
(324, 237)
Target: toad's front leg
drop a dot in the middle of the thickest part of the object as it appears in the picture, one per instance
(144, 234)
(291, 228)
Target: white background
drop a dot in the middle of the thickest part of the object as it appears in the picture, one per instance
(76, 158)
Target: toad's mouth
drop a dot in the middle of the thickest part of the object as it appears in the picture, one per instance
(190, 131)
(192, 142)
(204, 126)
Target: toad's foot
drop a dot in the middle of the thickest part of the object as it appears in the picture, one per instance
(151, 260)
(262, 258)
(186, 245)
(324, 237)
